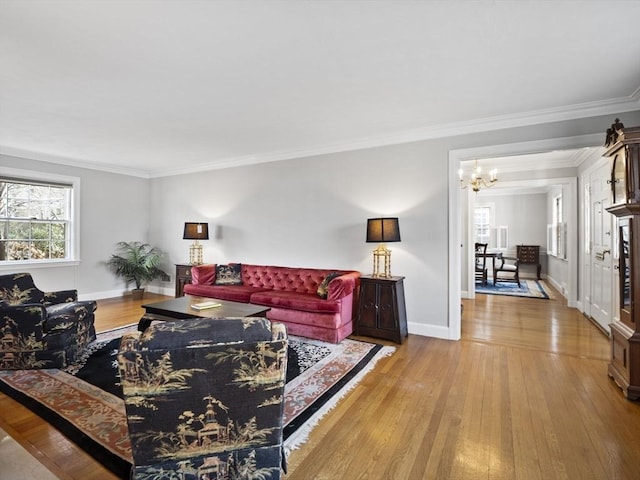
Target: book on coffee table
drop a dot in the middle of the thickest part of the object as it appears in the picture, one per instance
(205, 305)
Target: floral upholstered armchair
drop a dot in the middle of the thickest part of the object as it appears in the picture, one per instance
(204, 398)
(41, 329)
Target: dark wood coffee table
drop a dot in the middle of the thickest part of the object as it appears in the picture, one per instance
(180, 308)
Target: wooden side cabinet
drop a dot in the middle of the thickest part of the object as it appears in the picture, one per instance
(530, 255)
(381, 311)
(183, 276)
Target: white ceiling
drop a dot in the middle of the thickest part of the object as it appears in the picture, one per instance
(155, 88)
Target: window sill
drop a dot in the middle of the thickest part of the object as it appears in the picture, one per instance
(17, 265)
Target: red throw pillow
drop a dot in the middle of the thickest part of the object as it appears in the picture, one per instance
(203, 274)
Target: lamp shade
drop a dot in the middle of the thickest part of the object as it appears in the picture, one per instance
(383, 230)
(196, 231)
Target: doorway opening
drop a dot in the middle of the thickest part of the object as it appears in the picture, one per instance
(459, 244)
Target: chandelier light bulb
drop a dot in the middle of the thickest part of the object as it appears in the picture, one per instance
(476, 181)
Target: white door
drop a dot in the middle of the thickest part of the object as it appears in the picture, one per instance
(602, 223)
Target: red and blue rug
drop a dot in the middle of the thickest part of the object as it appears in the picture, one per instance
(84, 401)
(527, 288)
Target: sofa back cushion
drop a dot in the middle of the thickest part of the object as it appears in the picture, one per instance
(19, 289)
(299, 280)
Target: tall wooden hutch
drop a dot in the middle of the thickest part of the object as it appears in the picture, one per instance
(623, 148)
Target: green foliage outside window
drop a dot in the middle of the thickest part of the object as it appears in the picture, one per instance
(34, 220)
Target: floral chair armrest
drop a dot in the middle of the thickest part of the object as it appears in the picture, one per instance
(62, 316)
(61, 296)
(27, 318)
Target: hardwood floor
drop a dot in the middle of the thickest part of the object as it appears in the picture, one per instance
(524, 395)
(59, 455)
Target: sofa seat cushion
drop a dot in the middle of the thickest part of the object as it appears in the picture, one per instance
(307, 302)
(61, 315)
(233, 293)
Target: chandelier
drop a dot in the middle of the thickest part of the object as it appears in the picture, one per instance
(477, 181)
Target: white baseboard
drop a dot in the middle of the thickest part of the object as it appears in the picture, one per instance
(557, 286)
(169, 291)
(429, 331)
(101, 295)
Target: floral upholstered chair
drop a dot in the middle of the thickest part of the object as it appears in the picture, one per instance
(204, 398)
(41, 329)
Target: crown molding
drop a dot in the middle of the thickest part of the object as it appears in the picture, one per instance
(572, 112)
(71, 162)
(574, 151)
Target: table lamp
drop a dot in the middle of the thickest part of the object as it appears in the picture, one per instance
(195, 231)
(382, 230)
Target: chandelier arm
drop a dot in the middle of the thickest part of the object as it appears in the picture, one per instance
(477, 182)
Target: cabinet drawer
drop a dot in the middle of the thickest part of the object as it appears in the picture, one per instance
(183, 277)
(528, 254)
(184, 272)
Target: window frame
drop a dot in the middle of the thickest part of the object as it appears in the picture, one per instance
(502, 237)
(73, 257)
(557, 229)
(490, 225)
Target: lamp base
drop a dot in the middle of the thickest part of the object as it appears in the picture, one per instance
(195, 253)
(382, 252)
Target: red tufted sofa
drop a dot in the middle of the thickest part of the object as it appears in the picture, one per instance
(292, 294)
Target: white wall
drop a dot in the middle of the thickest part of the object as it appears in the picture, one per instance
(312, 212)
(113, 208)
(307, 212)
(524, 215)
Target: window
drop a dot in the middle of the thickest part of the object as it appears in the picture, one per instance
(557, 230)
(482, 224)
(36, 218)
(557, 209)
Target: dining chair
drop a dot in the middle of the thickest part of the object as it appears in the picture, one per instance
(481, 262)
(506, 269)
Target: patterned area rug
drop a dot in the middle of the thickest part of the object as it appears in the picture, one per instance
(84, 403)
(528, 288)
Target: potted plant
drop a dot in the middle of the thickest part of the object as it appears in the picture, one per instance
(137, 263)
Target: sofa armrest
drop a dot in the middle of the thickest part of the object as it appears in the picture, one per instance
(61, 296)
(61, 316)
(342, 286)
(203, 274)
(29, 317)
